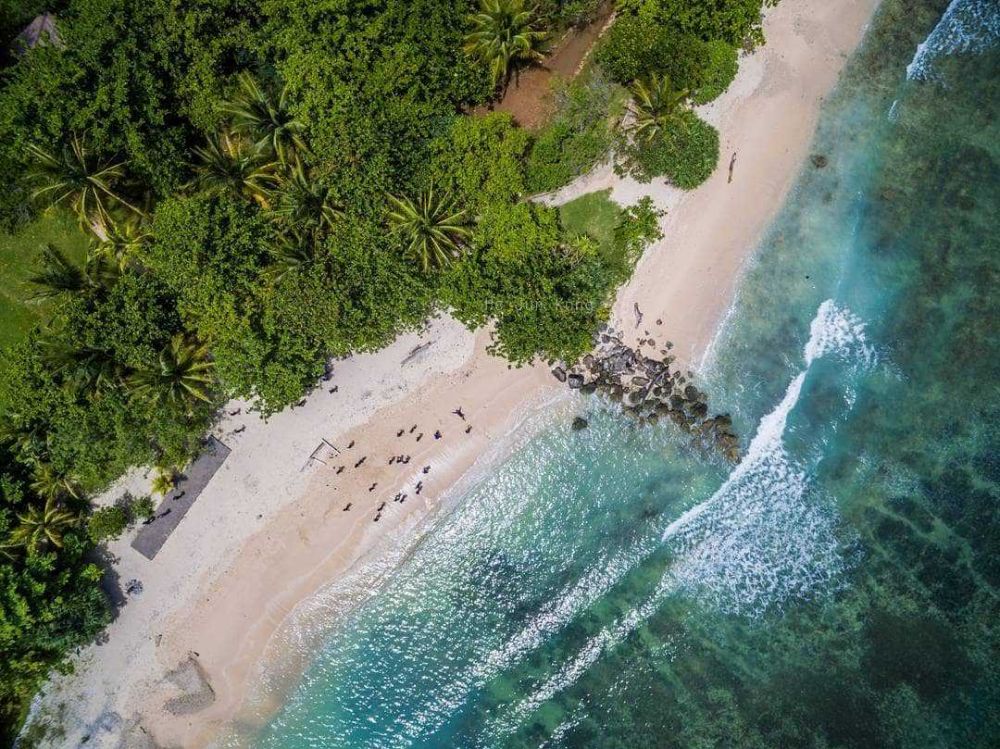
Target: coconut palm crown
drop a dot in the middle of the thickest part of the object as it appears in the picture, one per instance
(305, 201)
(228, 163)
(262, 113)
(433, 229)
(183, 374)
(505, 35)
(656, 105)
(72, 175)
(61, 277)
(41, 526)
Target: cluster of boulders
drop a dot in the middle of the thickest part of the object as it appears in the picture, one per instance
(650, 390)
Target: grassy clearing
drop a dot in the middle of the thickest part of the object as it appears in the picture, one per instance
(594, 214)
(19, 255)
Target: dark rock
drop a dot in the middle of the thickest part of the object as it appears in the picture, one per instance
(640, 381)
(819, 160)
(575, 380)
(589, 389)
(579, 423)
(559, 373)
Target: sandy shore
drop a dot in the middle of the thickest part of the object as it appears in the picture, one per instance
(271, 529)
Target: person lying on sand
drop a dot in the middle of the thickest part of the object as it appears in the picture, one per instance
(458, 413)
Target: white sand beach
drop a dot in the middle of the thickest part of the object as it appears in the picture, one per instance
(270, 529)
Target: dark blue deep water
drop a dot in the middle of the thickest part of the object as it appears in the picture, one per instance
(614, 588)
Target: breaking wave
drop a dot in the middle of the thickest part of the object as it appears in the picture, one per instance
(764, 538)
(760, 540)
(970, 26)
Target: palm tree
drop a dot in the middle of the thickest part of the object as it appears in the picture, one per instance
(59, 276)
(27, 440)
(290, 252)
(39, 527)
(656, 105)
(504, 36)
(183, 374)
(48, 483)
(305, 202)
(164, 481)
(262, 113)
(431, 226)
(84, 368)
(228, 163)
(122, 238)
(75, 176)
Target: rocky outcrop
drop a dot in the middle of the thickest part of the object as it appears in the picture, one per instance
(649, 389)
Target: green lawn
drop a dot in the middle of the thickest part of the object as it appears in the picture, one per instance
(19, 254)
(594, 214)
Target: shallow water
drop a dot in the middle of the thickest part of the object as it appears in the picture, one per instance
(839, 588)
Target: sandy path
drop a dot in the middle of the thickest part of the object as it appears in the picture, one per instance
(269, 530)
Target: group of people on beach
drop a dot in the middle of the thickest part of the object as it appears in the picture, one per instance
(401, 460)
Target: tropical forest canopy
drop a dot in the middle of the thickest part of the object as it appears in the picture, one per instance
(268, 184)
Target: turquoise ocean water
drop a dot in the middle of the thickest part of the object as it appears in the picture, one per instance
(613, 588)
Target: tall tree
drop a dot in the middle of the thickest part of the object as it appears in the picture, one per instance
(305, 201)
(40, 526)
(291, 251)
(433, 229)
(656, 105)
(262, 113)
(183, 374)
(59, 276)
(228, 163)
(84, 368)
(505, 35)
(123, 237)
(73, 175)
(50, 484)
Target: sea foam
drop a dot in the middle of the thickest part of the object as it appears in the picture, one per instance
(970, 26)
(757, 542)
(763, 537)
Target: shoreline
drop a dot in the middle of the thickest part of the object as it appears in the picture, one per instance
(270, 531)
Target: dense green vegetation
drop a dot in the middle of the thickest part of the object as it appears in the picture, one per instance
(19, 257)
(672, 53)
(259, 186)
(580, 133)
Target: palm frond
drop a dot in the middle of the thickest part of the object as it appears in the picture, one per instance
(434, 230)
(262, 113)
(229, 164)
(73, 176)
(504, 35)
(656, 105)
(182, 374)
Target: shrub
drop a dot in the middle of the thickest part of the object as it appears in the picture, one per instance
(719, 71)
(737, 22)
(107, 523)
(685, 154)
(579, 135)
(143, 508)
(638, 45)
